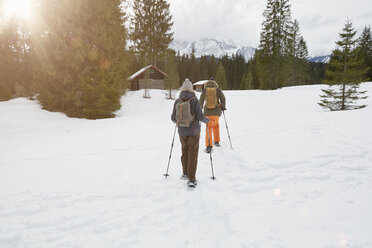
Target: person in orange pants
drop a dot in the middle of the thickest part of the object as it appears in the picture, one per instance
(213, 131)
(215, 102)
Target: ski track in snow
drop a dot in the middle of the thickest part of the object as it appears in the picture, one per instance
(298, 176)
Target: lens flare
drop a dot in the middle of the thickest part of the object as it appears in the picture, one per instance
(343, 242)
(304, 212)
(277, 192)
(21, 8)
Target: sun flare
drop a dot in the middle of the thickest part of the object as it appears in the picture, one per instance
(21, 8)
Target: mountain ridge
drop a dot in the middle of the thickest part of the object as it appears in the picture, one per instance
(220, 47)
(213, 46)
(322, 59)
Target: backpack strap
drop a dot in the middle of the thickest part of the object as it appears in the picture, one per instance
(218, 93)
(189, 100)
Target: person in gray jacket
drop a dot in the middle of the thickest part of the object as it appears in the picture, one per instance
(189, 136)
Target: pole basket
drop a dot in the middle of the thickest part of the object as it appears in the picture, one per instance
(166, 175)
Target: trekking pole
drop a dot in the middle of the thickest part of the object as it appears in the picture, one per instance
(210, 154)
(227, 128)
(170, 155)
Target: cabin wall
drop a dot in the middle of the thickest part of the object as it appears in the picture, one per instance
(151, 84)
(198, 88)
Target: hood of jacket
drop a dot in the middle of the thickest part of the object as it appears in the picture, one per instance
(186, 94)
(211, 84)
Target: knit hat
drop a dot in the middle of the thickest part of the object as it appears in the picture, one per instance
(187, 86)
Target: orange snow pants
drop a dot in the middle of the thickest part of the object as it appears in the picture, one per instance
(213, 127)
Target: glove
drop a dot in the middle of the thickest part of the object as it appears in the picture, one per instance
(223, 108)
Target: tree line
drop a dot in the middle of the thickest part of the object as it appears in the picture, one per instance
(76, 55)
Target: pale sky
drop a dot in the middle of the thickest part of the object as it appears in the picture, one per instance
(240, 20)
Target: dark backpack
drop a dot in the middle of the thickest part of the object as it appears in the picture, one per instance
(184, 117)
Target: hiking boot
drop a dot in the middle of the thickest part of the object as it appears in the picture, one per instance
(184, 177)
(209, 149)
(217, 144)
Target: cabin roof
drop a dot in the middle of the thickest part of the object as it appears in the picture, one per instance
(138, 73)
(200, 82)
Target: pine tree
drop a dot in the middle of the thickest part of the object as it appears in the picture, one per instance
(15, 62)
(82, 59)
(193, 67)
(317, 72)
(239, 70)
(272, 51)
(244, 83)
(250, 79)
(203, 68)
(212, 68)
(221, 77)
(150, 29)
(9, 58)
(227, 64)
(297, 57)
(293, 41)
(172, 81)
(252, 68)
(303, 66)
(365, 49)
(188, 68)
(344, 74)
(181, 68)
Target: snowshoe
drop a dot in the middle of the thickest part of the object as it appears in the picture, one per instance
(209, 149)
(184, 177)
(192, 183)
(217, 144)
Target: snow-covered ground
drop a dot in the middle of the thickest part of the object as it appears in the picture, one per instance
(298, 176)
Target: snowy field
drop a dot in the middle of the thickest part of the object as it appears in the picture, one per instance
(298, 176)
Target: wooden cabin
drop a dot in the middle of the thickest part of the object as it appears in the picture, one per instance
(155, 78)
(199, 86)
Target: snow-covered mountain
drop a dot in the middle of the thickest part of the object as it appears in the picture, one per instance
(322, 59)
(216, 47)
(221, 47)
